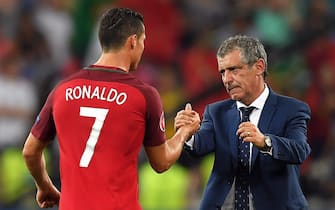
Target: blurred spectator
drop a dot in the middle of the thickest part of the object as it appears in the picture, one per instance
(204, 14)
(320, 55)
(9, 13)
(56, 24)
(240, 23)
(18, 103)
(321, 99)
(84, 15)
(319, 20)
(5, 43)
(199, 67)
(17, 107)
(88, 47)
(276, 22)
(272, 23)
(319, 181)
(33, 48)
(319, 52)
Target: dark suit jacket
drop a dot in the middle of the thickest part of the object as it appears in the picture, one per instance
(274, 180)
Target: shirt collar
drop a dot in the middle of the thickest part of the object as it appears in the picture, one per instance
(259, 102)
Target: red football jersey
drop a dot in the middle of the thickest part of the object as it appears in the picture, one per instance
(101, 116)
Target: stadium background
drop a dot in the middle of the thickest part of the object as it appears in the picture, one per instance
(42, 41)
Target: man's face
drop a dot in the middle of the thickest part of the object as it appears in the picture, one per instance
(240, 80)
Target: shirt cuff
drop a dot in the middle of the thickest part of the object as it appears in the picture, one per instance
(267, 152)
(190, 142)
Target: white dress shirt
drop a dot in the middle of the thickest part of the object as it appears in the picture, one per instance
(254, 119)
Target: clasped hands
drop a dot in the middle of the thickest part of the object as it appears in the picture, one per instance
(187, 119)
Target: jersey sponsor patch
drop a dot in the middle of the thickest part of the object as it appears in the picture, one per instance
(162, 122)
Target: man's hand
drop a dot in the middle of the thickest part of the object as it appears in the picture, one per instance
(47, 198)
(250, 133)
(189, 129)
(186, 117)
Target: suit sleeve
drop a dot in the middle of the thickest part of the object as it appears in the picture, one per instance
(204, 139)
(292, 147)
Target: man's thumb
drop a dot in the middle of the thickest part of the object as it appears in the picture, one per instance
(188, 107)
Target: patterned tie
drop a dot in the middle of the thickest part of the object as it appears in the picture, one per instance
(241, 182)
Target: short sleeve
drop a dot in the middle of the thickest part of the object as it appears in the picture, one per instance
(44, 126)
(155, 120)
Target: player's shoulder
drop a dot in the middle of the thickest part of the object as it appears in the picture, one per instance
(143, 86)
(146, 89)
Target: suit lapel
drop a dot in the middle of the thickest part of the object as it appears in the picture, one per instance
(233, 118)
(264, 120)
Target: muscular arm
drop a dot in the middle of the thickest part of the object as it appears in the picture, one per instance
(162, 157)
(47, 195)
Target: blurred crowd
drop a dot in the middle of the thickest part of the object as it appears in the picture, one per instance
(43, 41)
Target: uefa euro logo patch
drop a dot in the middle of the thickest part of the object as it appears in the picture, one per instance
(162, 122)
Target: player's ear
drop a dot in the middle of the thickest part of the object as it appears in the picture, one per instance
(133, 41)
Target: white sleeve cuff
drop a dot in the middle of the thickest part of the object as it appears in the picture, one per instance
(267, 152)
(190, 142)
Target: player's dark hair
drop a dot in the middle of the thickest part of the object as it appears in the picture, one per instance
(251, 49)
(116, 25)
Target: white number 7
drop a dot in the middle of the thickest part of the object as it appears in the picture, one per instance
(100, 116)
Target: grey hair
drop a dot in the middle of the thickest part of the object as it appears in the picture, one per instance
(251, 49)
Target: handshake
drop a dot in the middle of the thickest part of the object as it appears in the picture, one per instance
(187, 121)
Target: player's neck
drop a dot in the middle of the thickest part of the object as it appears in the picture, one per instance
(117, 60)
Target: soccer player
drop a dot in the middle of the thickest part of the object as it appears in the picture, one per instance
(102, 115)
